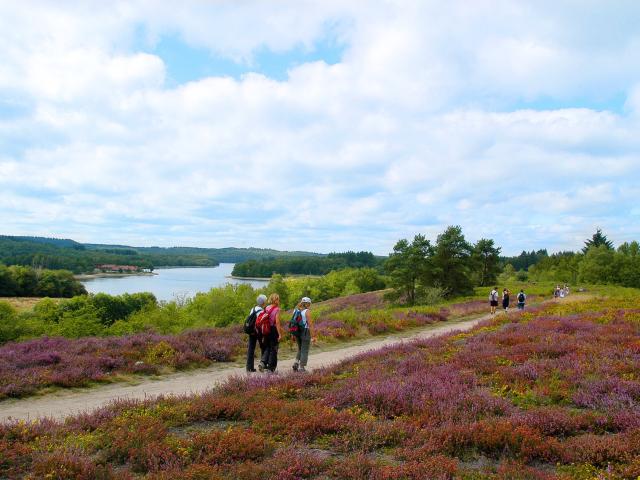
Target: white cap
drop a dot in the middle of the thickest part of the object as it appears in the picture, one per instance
(305, 300)
(262, 299)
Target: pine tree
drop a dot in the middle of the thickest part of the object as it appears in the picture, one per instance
(598, 239)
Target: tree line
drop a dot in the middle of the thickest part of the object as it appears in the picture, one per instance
(20, 281)
(307, 265)
(73, 256)
(78, 257)
(599, 262)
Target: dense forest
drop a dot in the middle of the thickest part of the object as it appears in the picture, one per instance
(52, 253)
(296, 265)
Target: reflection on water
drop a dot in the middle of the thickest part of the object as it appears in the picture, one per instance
(170, 283)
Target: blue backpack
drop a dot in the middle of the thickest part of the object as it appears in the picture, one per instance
(296, 324)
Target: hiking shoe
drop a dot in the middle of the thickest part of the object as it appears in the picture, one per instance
(301, 369)
(261, 367)
(251, 370)
(295, 367)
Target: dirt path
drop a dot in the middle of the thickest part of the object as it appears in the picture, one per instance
(66, 403)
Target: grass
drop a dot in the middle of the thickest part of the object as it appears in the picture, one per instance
(24, 304)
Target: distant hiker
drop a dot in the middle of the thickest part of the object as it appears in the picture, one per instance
(522, 298)
(505, 299)
(250, 329)
(493, 299)
(303, 337)
(566, 290)
(556, 292)
(271, 334)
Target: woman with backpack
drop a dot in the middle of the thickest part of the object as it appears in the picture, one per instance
(250, 329)
(505, 299)
(271, 338)
(304, 338)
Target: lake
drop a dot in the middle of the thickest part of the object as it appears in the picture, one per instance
(170, 283)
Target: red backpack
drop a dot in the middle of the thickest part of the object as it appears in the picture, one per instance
(263, 326)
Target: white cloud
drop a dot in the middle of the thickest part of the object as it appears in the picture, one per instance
(420, 125)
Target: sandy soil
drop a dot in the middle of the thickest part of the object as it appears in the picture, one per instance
(65, 403)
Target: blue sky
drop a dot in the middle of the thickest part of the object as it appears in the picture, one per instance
(320, 126)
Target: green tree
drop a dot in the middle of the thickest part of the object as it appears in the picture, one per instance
(25, 279)
(8, 287)
(597, 266)
(451, 261)
(9, 330)
(279, 286)
(409, 266)
(597, 240)
(486, 260)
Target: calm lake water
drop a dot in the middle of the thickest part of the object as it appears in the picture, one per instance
(170, 282)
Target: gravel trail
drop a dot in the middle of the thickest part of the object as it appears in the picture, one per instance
(68, 402)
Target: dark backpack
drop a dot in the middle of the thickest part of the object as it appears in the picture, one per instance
(521, 297)
(263, 326)
(250, 321)
(296, 324)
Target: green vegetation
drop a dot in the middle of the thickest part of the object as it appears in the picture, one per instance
(597, 263)
(80, 316)
(17, 281)
(418, 270)
(295, 265)
(523, 261)
(102, 315)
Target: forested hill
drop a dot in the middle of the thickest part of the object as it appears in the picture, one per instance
(223, 255)
(68, 254)
(297, 265)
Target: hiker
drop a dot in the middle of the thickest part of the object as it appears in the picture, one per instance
(271, 340)
(493, 300)
(250, 329)
(505, 299)
(522, 298)
(304, 338)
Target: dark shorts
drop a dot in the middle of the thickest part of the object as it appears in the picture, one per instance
(494, 303)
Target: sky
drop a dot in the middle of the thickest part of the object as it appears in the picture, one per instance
(322, 126)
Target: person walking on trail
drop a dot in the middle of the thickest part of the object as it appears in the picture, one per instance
(269, 360)
(304, 338)
(493, 300)
(505, 299)
(250, 329)
(522, 298)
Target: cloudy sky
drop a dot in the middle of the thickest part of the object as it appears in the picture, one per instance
(321, 126)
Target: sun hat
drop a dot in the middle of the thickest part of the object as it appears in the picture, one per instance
(305, 300)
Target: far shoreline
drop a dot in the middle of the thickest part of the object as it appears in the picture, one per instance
(91, 276)
(253, 279)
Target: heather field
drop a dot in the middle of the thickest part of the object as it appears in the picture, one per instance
(37, 365)
(553, 393)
